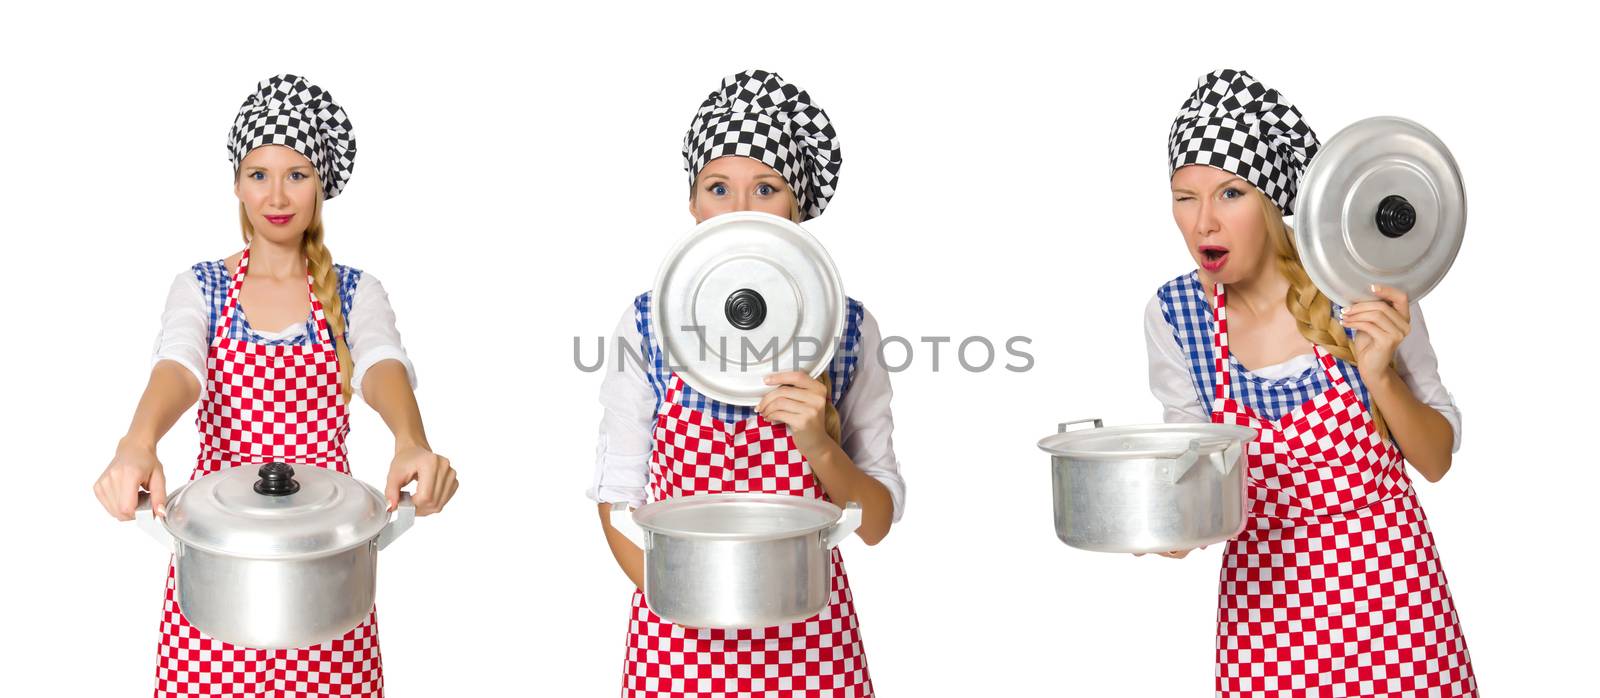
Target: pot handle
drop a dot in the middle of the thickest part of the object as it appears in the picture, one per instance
(146, 518)
(1065, 427)
(1230, 457)
(622, 520)
(1187, 459)
(846, 525)
(404, 515)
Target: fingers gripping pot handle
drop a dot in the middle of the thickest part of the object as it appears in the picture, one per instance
(146, 518)
(622, 521)
(847, 524)
(405, 514)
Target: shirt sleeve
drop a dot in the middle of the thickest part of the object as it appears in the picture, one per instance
(622, 451)
(370, 329)
(1417, 365)
(1170, 379)
(866, 422)
(184, 323)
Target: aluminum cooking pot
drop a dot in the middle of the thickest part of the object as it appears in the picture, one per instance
(276, 558)
(737, 560)
(1147, 488)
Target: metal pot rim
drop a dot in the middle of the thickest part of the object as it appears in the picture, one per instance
(1062, 444)
(285, 557)
(643, 515)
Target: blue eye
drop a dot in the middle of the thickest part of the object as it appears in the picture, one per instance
(297, 176)
(1231, 193)
(258, 175)
(765, 189)
(718, 189)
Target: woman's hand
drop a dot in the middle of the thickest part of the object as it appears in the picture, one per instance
(1174, 554)
(436, 480)
(801, 403)
(1380, 326)
(135, 465)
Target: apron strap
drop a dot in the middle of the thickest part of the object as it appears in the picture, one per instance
(225, 320)
(1223, 389)
(1330, 366)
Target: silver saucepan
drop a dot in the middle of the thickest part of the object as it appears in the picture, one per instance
(737, 560)
(1147, 488)
(275, 558)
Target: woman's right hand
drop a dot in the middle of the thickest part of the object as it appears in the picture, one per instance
(1175, 554)
(134, 466)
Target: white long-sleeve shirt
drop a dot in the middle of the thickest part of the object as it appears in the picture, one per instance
(622, 454)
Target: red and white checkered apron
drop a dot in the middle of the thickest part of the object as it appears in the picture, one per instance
(266, 403)
(1334, 587)
(695, 453)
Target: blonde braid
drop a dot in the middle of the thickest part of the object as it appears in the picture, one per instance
(1312, 310)
(324, 283)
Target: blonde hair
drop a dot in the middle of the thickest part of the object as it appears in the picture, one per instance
(1312, 310)
(324, 283)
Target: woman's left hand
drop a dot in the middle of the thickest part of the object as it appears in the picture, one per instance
(1380, 326)
(436, 480)
(801, 403)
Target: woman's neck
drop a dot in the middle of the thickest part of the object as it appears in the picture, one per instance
(274, 260)
(1258, 294)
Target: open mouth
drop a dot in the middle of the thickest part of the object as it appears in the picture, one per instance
(1213, 257)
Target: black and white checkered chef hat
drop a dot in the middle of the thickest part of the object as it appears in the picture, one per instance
(757, 115)
(1233, 123)
(288, 110)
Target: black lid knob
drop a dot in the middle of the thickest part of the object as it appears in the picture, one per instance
(277, 480)
(745, 309)
(1396, 216)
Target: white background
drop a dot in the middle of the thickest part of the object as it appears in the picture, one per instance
(519, 179)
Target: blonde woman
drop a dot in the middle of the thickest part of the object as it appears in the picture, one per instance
(322, 329)
(758, 143)
(1335, 586)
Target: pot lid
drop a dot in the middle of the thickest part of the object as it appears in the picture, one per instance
(737, 516)
(1145, 440)
(276, 511)
(744, 295)
(1381, 202)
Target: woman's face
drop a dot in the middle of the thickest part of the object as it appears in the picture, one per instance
(736, 183)
(1222, 223)
(279, 190)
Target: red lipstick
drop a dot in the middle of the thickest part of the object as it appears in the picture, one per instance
(279, 220)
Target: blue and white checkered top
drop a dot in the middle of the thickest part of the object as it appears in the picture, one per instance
(215, 282)
(1187, 310)
(841, 370)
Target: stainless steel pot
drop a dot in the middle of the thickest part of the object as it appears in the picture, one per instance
(276, 558)
(737, 560)
(1147, 488)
